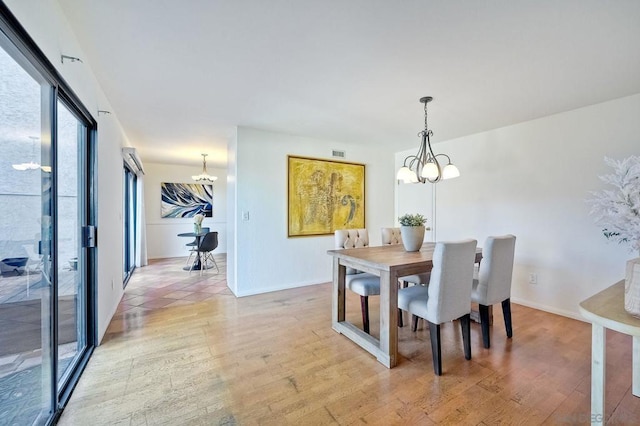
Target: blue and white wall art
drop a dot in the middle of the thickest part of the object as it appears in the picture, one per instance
(186, 199)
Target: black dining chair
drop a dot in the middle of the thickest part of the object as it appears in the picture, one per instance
(193, 245)
(208, 244)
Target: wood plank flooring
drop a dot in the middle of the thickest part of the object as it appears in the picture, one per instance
(273, 359)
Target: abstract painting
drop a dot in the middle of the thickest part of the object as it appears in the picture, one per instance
(186, 199)
(323, 196)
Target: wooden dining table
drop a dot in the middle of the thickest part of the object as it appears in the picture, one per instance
(389, 262)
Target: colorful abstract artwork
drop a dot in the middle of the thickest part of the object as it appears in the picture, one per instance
(186, 200)
(323, 196)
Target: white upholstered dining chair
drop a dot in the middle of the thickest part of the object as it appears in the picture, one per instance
(494, 282)
(448, 295)
(362, 283)
(392, 236)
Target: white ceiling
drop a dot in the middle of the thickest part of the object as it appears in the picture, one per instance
(180, 75)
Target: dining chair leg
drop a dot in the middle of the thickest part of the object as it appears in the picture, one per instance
(465, 325)
(401, 284)
(484, 324)
(414, 322)
(189, 258)
(214, 262)
(364, 303)
(434, 330)
(506, 312)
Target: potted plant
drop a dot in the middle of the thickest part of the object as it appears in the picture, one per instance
(412, 231)
(618, 212)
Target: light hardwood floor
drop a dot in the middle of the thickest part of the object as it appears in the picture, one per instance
(273, 359)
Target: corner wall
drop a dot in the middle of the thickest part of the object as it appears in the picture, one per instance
(266, 259)
(162, 233)
(532, 180)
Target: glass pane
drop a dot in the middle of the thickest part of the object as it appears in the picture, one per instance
(131, 214)
(125, 227)
(129, 228)
(70, 260)
(25, 308)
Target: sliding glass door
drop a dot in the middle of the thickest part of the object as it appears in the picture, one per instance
(46, 236)
(26, 377)
(129, 228)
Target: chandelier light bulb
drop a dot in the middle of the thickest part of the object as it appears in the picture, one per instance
(404, 173)
(450, 171)
(430, 171)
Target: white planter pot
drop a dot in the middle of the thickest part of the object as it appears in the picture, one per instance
(412, 237)
(632, 288)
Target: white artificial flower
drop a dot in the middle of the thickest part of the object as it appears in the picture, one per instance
(618, 210)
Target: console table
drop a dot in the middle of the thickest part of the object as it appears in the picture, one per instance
(606, 310)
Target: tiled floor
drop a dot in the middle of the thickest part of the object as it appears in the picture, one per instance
(166, 284)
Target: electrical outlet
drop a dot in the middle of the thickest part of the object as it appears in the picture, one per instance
(245, 216)
(533, 278)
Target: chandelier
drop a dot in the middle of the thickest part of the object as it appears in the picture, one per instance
(204, 176)
(31, 165)
(424, 166)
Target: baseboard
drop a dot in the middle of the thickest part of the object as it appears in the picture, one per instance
(545, 308)
(279, 288)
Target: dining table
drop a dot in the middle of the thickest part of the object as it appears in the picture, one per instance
(389, 262)
(197, 263)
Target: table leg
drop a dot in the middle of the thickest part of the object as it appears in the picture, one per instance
(598, 372)
(198, 264)
(389, 318)
(635, 360)
(338, 293)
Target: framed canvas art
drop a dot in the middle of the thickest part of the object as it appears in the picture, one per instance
(324, 195)
(186, 200)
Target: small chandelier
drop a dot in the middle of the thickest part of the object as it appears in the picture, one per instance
(31, 165)
(204, 176)
(424, 166)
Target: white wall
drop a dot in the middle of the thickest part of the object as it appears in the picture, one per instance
(265, 259)
(232, 201)
(531, 180)
(162, 239)
(46, 24)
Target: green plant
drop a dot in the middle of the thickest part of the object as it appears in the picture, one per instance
(412, 220)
